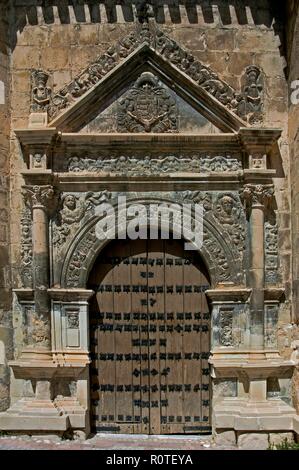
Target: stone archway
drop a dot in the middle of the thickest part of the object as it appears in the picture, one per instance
(150, 339)
(219, 255)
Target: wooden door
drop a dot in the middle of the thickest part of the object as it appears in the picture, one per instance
(150, 339)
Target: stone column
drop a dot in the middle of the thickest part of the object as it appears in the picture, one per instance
(40, 199)
(257, 197)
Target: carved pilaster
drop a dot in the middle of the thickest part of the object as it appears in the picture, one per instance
(40, 199)
(257, 198)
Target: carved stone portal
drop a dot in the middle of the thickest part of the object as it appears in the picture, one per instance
(147, 108)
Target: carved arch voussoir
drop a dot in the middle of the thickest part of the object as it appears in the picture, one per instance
(220, 258)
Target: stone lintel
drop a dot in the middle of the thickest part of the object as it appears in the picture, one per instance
(70, 295)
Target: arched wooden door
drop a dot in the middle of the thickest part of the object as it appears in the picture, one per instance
(150, 339)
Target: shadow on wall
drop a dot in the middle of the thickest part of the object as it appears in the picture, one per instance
(260, 12)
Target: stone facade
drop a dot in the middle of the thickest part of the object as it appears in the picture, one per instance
(6, 350)
(212, 76)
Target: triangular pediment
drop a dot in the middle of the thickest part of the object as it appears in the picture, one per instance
(148, 105)
(197, 91)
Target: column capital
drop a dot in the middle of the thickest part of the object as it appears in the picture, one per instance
(39, 196)
(258, 195)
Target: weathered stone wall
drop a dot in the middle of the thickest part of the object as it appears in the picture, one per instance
(63, 40)
(293, 68)
(293, 74)
(5, 296)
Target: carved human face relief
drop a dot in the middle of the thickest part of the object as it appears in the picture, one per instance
(70, 202)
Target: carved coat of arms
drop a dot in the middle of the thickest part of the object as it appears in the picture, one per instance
(148, 107)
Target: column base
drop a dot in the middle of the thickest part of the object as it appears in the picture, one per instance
(77, 415)
(31, 414)
(246, 415)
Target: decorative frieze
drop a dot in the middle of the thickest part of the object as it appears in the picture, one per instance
(271, 253)
(78, 258)
(226, 326)
(218, 256)
(154, 165)
(147, 107)
(230, 332)
(26, 248)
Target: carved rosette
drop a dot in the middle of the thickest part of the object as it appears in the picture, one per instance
(42, 197)
(258, 195)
